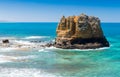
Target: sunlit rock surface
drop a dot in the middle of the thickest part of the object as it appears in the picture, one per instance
(80, 32)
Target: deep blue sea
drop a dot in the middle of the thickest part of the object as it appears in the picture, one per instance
(53, 62)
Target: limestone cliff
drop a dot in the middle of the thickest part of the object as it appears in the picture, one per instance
(82, 32)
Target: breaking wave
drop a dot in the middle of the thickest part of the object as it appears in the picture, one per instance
(36, 37)
(54, 48)
(23, 42)
(24, 72)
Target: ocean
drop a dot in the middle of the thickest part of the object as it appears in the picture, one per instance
(54, 62)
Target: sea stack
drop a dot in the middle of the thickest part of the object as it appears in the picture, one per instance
(80, 32)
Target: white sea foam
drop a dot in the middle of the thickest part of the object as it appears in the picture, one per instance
(4, 61)
(54, 48)
(97, 49)
(36, 37)
(24, 72)
(24, 57)
(41, 50)
(7, 49)
(23, 42)
(53, 40)
(28, 37)
(6, 58)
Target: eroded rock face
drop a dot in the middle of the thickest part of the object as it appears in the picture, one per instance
(82, 32)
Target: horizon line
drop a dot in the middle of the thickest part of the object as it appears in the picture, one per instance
(42, 22)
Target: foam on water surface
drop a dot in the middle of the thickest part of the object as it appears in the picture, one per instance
(13, 72)
(23, 42)
(36, 37)
(6, 58)
(7, 49)
(103, 48)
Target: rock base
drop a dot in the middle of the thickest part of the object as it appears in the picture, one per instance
(79, 43)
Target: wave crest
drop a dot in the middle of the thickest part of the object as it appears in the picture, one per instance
(36, 37)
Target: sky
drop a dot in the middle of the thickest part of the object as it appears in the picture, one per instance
(53, 10)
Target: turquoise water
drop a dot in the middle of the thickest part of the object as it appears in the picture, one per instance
(53, 62)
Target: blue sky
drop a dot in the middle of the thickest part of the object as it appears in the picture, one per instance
(52, 10)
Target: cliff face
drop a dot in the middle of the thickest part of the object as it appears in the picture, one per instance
(80, 32)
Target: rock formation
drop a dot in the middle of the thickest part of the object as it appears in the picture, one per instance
(5, 41)
(81, 32)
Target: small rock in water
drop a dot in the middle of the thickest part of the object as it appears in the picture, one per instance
(5, 41)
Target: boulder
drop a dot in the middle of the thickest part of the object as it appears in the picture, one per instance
(81, 32)
(5, 41)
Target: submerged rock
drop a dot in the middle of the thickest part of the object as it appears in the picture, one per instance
(81, 32)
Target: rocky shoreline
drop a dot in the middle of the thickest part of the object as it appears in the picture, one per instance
(31, 45)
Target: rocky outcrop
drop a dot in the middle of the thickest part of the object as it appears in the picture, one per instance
(5, 41)
(81, 32)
